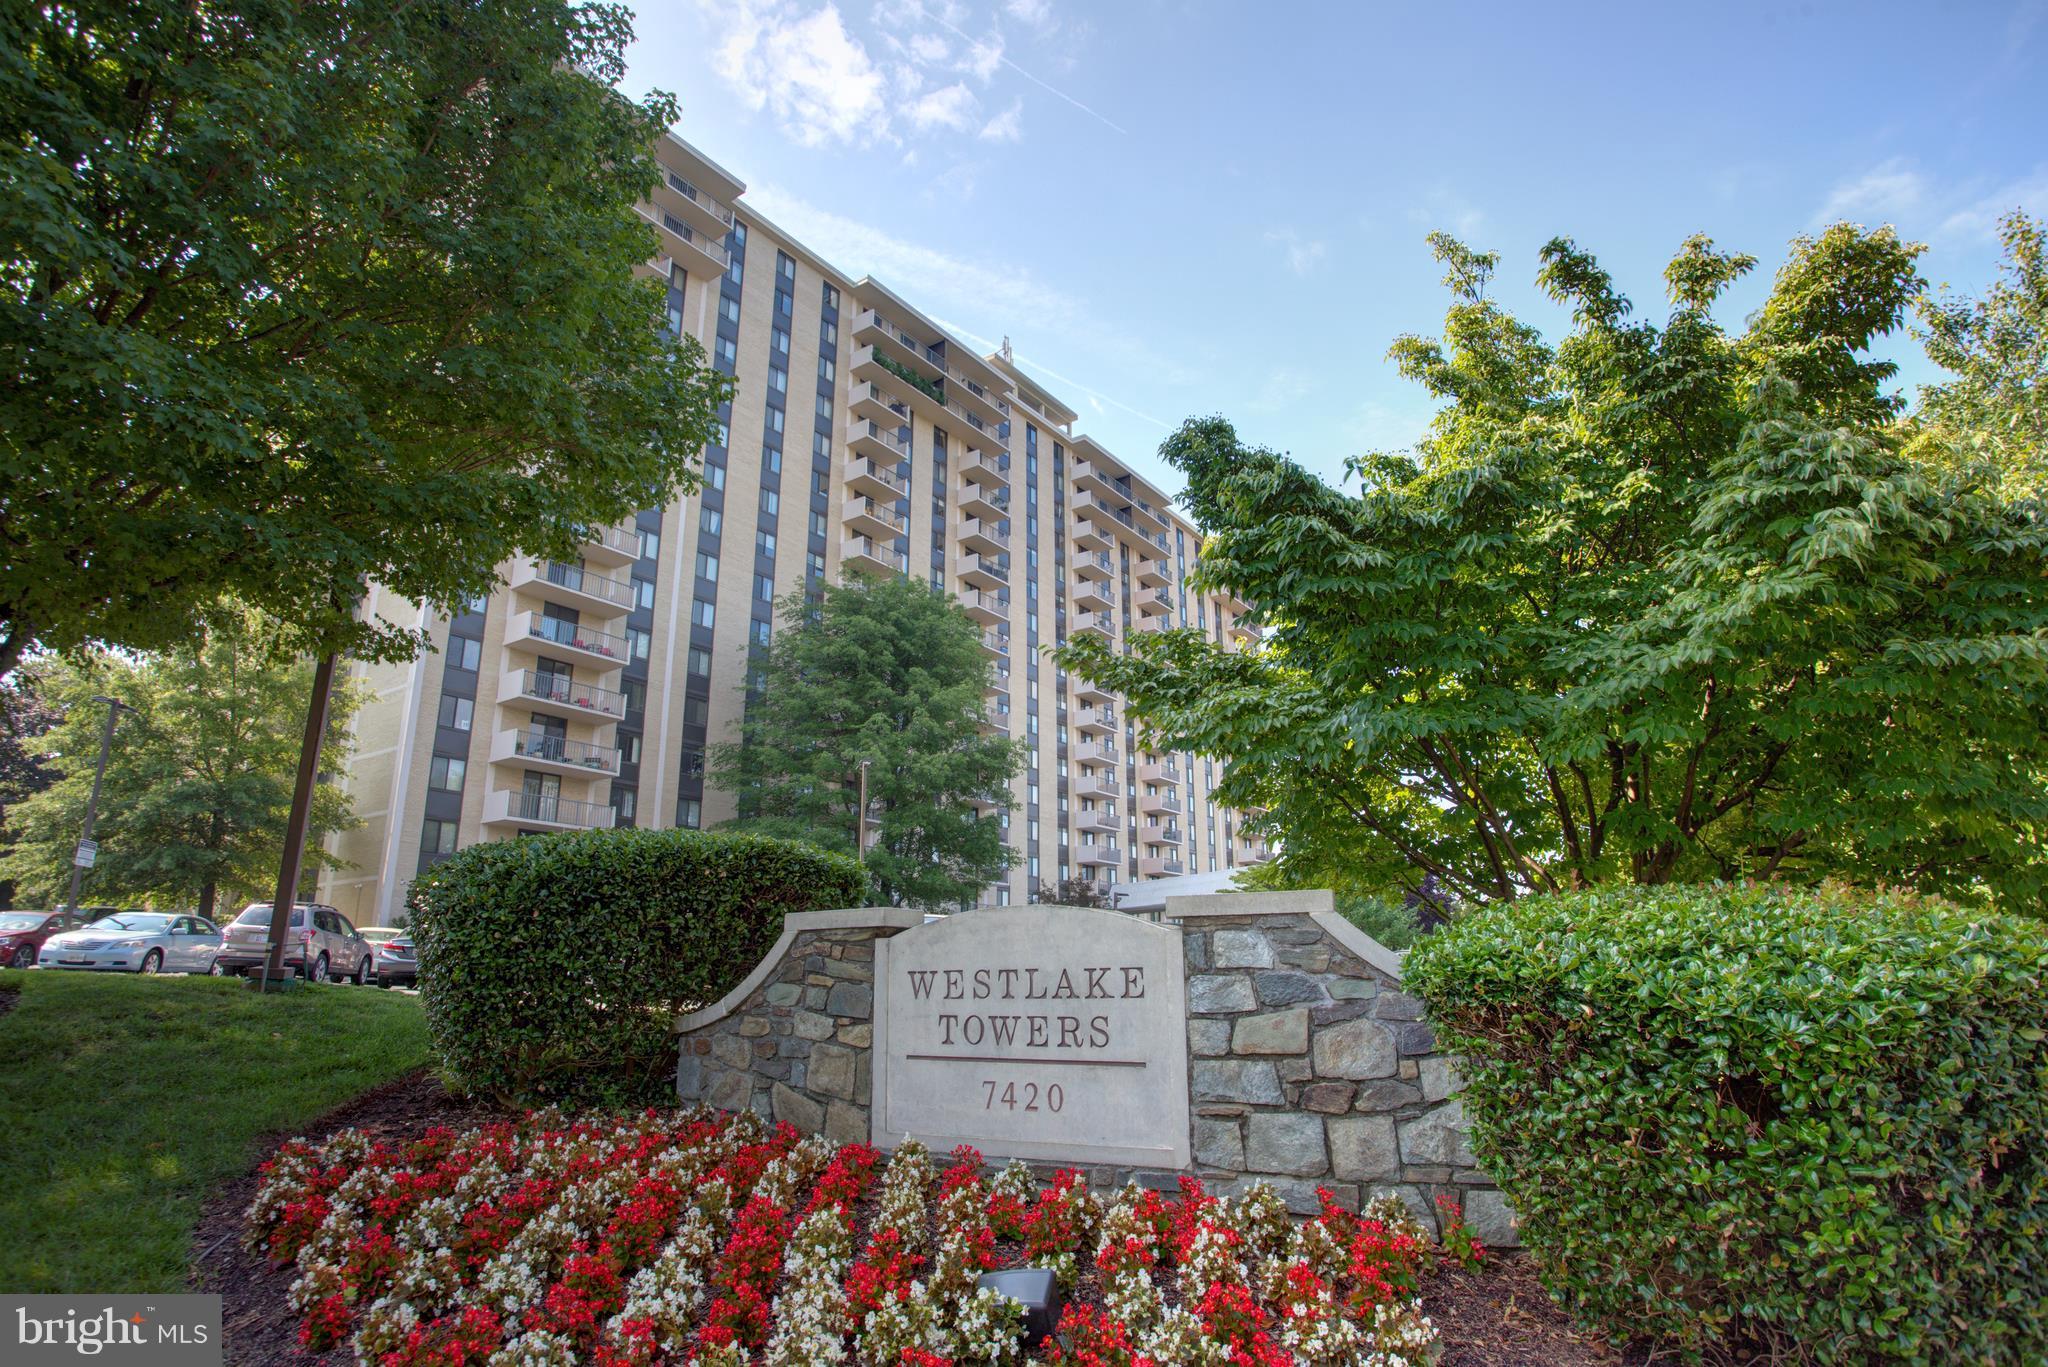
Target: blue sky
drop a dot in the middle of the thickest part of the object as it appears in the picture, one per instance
(1177, 208)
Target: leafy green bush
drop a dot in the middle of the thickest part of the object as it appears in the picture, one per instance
(1391, 923)
(553, 967)
(1806, 1121)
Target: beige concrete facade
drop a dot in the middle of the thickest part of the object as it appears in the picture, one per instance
(861, 437)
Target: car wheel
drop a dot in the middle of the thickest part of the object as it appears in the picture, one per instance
(319, 973)
(152, 962)
(25, 957)
(214, 969)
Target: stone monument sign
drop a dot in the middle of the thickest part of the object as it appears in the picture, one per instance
(1041, 1032)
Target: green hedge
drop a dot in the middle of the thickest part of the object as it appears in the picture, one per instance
(1814, 1121)
(553, 967)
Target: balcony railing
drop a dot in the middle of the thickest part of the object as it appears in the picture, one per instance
(537, 745)
(576, 579)
(548, 810)
(553, 630)
(689, 191)
(563, 691)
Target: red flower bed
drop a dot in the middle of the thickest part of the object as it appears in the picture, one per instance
(701, 1238)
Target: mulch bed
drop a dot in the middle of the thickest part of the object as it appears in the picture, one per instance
(1498, 1316)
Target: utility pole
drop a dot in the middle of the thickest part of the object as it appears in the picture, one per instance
(301, 816)
(87, 851)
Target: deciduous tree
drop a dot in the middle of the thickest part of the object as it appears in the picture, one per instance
(891, 672)
(199, 778)
(1660, 602)
(299, 294)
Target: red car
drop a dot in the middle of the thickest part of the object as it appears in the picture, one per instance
(22, 934)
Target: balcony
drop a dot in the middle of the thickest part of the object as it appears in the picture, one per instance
(880, 406)
(1096, 565)
(1098, 784)
(1099, 856)
(989, 609)
(1097, 624)
(999, 679)
(983, 536)
(1152, 833)
(1155, 603)
(1158, 771)
(881, 442)
(678, 196)
(1254, 854)
(990, 470)
(1246, 633)
(990, 503)
(995, 723)
(611, 546)
(527, 749)
(1100, 720)
(1150, 571)
(1152, 867)
(873, 327)
(1095, 752)
(1102, 817)
(1089, 691)
(1150, 520)
(876, 479)
(1097, 595)
(1150, 625)
(533, 633)
(1093, 508)
(874, 518)
(546, 812)
(1094, 538)
(869, 556)
(557, 695)
(572, 586)
(996, 644)
(700, 255)
(1159, 804)
(984, 571)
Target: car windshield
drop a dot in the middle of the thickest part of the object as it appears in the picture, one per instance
(30, 920)
(133, 920)
(379, 934)
(260, 916)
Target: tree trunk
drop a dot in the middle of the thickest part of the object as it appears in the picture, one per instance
(295, 827)
(207, 894)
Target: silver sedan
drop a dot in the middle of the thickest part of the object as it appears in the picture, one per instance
(138, 942)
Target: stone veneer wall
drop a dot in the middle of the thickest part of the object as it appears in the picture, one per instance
(1308, 1066)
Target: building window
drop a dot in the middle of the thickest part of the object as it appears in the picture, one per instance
(761, 633)
(629, 749)
(764, 542)
(437, 837)
(464, 652)
(700, 662)
(827, 371)
(764, 588)
(703, 612)
(637, 642)
(446, 773)
(828, 334)
(707, 567)
(710, 521)
(696, 711)
(771, 503)
(714, 475)
(778, 379)
(635, 693)
(650, 544)
(458, 713)
(625, 801)
(643, 593)
(690, 813)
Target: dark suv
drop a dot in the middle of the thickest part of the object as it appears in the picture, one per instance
(319, 944)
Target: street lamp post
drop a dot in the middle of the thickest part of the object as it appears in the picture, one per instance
(86, 849)
(860, 839)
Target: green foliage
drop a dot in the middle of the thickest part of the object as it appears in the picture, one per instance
(199, 778)
(1996, 406)
(1658, 603)
(889, 671)
(1390, 922)
(299, 294)
(554, 967)
(1809, 1120)
(130, 1100)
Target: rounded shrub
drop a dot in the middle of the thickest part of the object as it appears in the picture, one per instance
(1809, 1122)
(553, 967)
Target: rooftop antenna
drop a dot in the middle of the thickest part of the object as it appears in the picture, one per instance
(1007, 358)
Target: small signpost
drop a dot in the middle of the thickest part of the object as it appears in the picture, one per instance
(88, 851)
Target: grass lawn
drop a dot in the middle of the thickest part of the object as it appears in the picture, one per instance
(128, 1098)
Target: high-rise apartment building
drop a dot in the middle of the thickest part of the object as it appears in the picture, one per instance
(861, 437)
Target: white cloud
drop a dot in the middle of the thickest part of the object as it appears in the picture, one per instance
(1303, 254)
(984, 58)
(1007, 126)
(1037, 13)
(990, 296)
(1884, 192)
(929, 47)
(1445, 208)
(949, 107)
(1898, 192)
(805, 69)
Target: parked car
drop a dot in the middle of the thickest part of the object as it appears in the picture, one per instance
(23, 934)
(319, 944)
(396, 964)
(138, 942)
